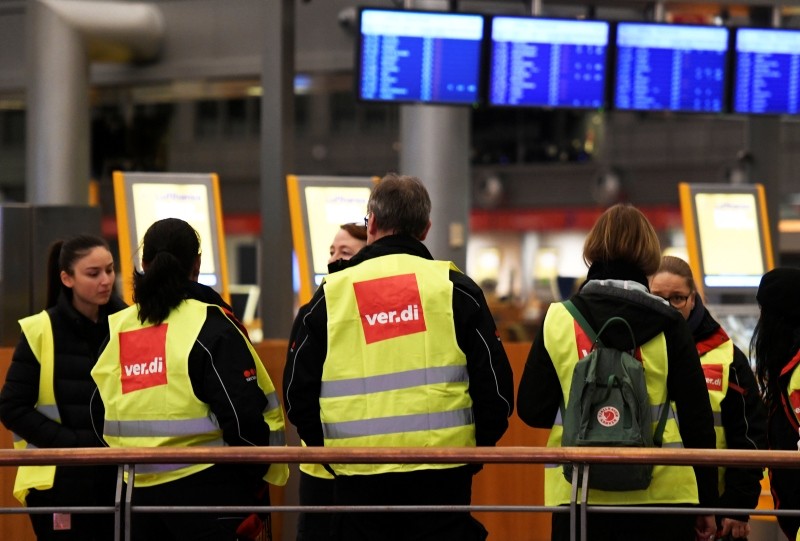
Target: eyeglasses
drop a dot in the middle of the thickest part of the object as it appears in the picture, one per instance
(366, 220)
(677, 301)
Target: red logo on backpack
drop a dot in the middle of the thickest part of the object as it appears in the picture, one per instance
(608, 416)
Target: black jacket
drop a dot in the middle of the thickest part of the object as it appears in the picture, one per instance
(540, 391)
(77, 342)
(744, 419)
(490, 380)
(784, 483)
(219, 363)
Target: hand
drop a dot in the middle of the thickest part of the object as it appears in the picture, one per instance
(705, 528)
(736, 528)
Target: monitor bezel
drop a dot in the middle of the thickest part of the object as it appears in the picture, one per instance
(488, 71)
(734, 77)
(481, 67)
(614, 58)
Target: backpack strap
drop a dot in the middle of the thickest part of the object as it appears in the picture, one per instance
(662, 421)
(573, 310)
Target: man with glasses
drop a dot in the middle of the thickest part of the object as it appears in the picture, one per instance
(399, 350)
(740, 418)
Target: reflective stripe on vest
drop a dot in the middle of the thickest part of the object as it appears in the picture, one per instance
(38, 332)
(716, 367)
(394, 375)
(670, 484)
(393, 382)
(137, 414)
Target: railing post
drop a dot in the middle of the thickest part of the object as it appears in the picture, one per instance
(118, 501)
(584, 500)
(573, 502)
(128, 500)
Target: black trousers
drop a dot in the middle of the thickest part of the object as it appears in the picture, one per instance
(315, 491)
(452, 486)
(218, 485)
(626, 527)
(76, 486)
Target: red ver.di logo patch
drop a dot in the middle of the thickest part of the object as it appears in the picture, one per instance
(713, 373)
(389, 307)
(143, 359)
(795, 400)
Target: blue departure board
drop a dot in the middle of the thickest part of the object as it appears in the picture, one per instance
(548, 62)
(419, 56)
(767, 71)
(669, 67)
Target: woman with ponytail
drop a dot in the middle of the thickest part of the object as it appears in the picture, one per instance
(179, 372)
(47, 396)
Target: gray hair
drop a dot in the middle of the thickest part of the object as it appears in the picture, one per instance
(400, 204)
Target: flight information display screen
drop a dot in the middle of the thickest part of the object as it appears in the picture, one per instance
(767, 71)
(670, 67)
(417, 56)
(548, 62)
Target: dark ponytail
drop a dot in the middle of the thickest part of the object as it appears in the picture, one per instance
(169, 251)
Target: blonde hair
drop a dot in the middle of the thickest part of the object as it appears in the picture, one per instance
(623, 233)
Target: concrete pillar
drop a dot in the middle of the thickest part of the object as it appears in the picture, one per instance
(63, 36)
(277, 159)
(434, 146)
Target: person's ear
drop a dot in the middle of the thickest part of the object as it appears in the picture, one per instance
(425, 233)
(372, 226)
(195, 269)
(66, 279)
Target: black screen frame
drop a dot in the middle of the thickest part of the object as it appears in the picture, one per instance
(614, 57)
(607, 75)
(480, 99)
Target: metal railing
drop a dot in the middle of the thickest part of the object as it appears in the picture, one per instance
(578, 508)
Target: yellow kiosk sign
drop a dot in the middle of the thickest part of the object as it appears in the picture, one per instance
(144, 198)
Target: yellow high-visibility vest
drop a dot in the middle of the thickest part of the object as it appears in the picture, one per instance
(394, 374)
(670, 484)
(716, 356)
(143, 379)
(38, 332)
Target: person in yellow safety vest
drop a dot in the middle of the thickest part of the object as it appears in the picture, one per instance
(621, 250)
(178, 372)
(45, 400)
(776, 345)
(399, 350)
(316, 484)
(740, 419)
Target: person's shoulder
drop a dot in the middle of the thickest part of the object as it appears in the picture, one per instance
(466, 287)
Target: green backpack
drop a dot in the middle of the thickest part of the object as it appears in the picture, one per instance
(608, 406)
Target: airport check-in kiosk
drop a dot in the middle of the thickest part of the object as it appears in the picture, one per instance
(318, 206)
(144, 198)
(729, 246)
